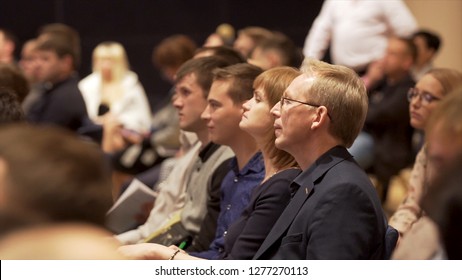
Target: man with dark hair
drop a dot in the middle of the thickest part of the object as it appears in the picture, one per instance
(427, 44)
(68, 34)
(198, 172)
(228, 53)
(61, 103)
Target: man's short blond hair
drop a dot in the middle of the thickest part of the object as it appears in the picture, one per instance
(343, 93)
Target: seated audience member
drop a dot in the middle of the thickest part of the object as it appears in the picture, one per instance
(423, 99)
(443, 204)
(335, 212)
(66, 33)
(12, 78)
(278, 50)
(243, 237)
(27, 63)
(61, 103)
(66, 178)
(231, 87)
(113, 88)
(228, 53)
(62, 241)
(8, 43)
(427, 44)
(10, 109)
(224, 35)
(200, 169)
(248, 38)
(387, 120)
(444, 144)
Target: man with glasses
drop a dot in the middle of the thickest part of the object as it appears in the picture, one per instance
(335, 212)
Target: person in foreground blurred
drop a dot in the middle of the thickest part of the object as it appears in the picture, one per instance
(66, 241)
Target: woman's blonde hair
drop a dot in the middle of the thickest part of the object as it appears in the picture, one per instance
(114, 51)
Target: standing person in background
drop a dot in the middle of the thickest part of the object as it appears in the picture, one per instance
(113, 88)
(357, 30)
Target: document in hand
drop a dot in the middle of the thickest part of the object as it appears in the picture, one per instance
(122, 215)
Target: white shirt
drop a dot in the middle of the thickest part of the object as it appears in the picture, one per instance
(357, 30)
(132, 110)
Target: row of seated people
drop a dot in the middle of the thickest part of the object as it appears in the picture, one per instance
(384, 147)
(327, 178)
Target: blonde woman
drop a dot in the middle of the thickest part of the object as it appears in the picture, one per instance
(423, 99)
(113, 88)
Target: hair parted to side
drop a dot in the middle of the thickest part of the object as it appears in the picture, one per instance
(241, 77)
(343, 93)
(116, 53)
(274, 82)
(53, 175)
(202, 68)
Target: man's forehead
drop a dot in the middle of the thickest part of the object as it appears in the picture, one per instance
(219, 89)
(187, 79)
(302, 82)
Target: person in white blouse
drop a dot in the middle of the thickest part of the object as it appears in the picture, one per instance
(113, 88)
(357, 31)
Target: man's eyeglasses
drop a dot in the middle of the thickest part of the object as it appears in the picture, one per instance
(424, 96)
(287, 101)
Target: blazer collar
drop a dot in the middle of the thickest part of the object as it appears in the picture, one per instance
(305, 183)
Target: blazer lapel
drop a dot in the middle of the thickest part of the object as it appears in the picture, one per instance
(306, 180)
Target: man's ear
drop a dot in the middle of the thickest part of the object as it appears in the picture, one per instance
(273, 58)
(320, 117)
(67, 62)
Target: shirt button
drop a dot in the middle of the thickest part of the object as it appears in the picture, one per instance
(225, 233)
(235, 180)
(228, 207)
